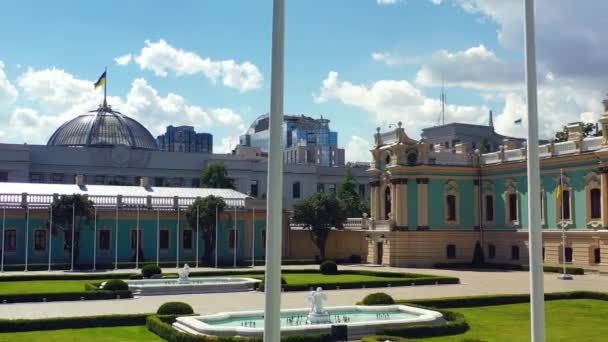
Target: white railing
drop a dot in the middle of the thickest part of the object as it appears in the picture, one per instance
(592, 144)
(513, 155)
(490, 158)
(563, 148)
(544, 151)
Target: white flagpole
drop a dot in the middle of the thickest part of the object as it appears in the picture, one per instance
(197, 237)
(116, 239)
(3, 240)
(272, 303)
(177, 241)
(73, 233)
(561, 182)
(27, 235)
(95, 239)
(50, 235)
(137, 241)
(535, 234)
(157, 236)
(216, 232)
(236, 239)
(252, 237)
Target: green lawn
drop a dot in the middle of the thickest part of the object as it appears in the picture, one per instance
(580, 320)
(43, 286)
(317, 278)
(137, 333)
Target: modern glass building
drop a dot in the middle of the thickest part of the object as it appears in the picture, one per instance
(185, 139)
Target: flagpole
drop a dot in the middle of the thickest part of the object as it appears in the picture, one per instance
(105, 88)
(561, 182)
(535, 234)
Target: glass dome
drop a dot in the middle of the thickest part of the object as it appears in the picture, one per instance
(103, 128)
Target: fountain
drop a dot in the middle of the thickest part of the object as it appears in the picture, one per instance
(360, 320)
(186, 285)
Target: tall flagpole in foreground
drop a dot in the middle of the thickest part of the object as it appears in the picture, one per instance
(272, 311)
(537, 301)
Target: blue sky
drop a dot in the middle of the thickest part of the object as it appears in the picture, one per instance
(360, 63)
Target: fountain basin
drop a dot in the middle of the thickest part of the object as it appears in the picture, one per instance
(191, 285)
(360, 321)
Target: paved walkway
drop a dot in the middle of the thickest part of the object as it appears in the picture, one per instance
(473, 283)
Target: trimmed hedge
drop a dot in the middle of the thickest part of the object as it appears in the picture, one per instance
(376, 283)
(175, 308)
(378, 298)
(328, 267)
(513, 267)
(65, 296)
(382, 338)
(16, 325)
(456, 324)
(115, 285)
(150, 270)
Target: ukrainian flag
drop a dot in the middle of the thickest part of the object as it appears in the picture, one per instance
(101, 81)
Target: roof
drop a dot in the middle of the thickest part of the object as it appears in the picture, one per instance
(42, 194)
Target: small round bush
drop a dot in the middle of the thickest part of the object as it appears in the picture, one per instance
(328, 267)
(175, 308)
(150, 270)
(115, 285)
(378, 298)
(135, 276)
(263, 283)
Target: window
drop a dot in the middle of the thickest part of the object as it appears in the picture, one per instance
(451, 207)
(104, 239)
(332, 188)
(491, 252)
(596, 206)
(100, 180)
(362, 190)
(264, 238)
(253, 188)
(163, 242)
(36, 178)
(565, 214)
(295, 191)
(136, 239)
(57, 178)
(232, 239)
(320, 187)
(512, 207)
(10, 240)
(489, 208)
(40, 240)
(187, 239)
(597, 256)
(196, 183)
(387, 160)
(514, 252)
(3, 176)
(568, 254)
(451, 251)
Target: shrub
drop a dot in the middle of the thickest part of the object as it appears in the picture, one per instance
(354, 259)
(383, 338)
(115, 285)
(456, 324)
(64, 296)
(329, 267)
(136, 276)
(150, 270)
(175, 308)
(15, 325)
(378, 298)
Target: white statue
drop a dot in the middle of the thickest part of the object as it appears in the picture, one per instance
(184, 273)
(316, 300)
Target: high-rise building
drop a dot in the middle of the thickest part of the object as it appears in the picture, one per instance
(185, 139)
(305, 140)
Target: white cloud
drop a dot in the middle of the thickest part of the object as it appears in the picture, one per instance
(57, 96)
(391, 101)
(437, 2)
(387, 2)
(123, 60)
(357, 149)
(161, 58)
(476, 68)
(227, 145)
(8, 92)
(392, 59)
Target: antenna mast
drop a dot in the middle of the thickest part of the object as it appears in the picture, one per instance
(443, 99)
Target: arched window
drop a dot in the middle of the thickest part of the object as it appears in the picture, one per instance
(450, 201)
(565, 210)
(595, 197)
(387, 202)
(40, 240)
(512, 204)
(514, 252)
(387, 161)
(296, 190)
(491, 251)
(597, 255)
(568, 253)
(489, 212)
(450, 251)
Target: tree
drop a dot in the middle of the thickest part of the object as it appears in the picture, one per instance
(215, 176)
(319, 213)
(587, 132)
(354, 204)
(62, 219)
(206, 221)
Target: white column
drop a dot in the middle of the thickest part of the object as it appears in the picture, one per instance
(137, 240)
(537, 310)
(177, 241)
(3, 237)
(73, 233)
(50, 235)
(157, 236)
(252, 237)
(216, 232)
(116, 240)
(236, 239)
(27, 233)
(95, 239)
(272, 311)
(196, 236)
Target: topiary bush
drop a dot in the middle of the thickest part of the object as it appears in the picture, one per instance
(150, 270)
(378, 298)
(175, 308)
(329, 267)
(115, 285)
